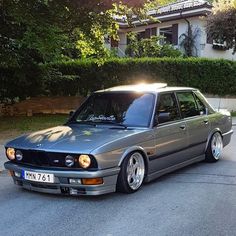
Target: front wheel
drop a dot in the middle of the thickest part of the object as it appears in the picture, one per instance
(132, 173)
(215, 147)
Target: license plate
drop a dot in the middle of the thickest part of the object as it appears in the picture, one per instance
(38, 177)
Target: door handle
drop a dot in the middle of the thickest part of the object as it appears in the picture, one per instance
(206, 121)
(183, 127)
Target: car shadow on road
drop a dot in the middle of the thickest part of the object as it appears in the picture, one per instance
(188, 174)
(113, 196)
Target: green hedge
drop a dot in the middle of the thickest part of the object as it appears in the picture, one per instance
(82, 77)
(210, 76)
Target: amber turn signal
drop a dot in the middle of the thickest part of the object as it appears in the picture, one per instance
(94, 181)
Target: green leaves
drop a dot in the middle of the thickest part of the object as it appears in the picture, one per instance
(221, 24)
(81, 77)
(41, 31)
(149, 47)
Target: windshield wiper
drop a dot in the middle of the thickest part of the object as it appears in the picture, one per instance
(84, 122)
(110, 122)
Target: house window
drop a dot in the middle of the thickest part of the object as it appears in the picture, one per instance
(141, 35)
(153, 31)
(170, 34)
(114, 43)
(219, 44)
(167, 34)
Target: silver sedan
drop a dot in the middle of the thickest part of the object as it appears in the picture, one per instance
(120, 138)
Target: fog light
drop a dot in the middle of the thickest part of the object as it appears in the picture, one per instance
(19, 155)
(75, 181)
(73, 191)
(84, 161)
(17, 174)
(10, 153)
(69, 161)
(94, 181)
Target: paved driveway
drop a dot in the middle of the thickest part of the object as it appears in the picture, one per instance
(197, 200)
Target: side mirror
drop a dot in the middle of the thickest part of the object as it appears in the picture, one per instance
(163, 117)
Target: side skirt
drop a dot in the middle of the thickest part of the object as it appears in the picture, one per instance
(159, 173)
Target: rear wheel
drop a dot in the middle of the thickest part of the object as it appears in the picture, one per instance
(132, 173)
(215, 147)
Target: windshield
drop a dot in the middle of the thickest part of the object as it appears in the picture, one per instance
(128, 109)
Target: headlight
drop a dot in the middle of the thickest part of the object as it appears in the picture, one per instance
(69, 161)
(10, 153)
(19, 155)
(84, 161)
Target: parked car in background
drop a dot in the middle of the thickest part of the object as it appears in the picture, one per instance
(120, 138)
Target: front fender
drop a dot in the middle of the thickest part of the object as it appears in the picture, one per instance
(133, 149)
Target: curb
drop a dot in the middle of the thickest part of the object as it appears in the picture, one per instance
(3, 173)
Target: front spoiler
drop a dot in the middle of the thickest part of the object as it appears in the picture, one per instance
(61, 183)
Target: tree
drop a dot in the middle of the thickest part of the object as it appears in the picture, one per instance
(149, 47)
(188, 40)
(221, 23)
(42, 31)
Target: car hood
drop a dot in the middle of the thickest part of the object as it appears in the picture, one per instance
(71, 138)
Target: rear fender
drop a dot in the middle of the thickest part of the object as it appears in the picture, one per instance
(210, 135)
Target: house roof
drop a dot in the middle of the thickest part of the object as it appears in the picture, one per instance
(172, 11)
(180, 6)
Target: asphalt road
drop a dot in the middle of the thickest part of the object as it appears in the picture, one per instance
(197, 200)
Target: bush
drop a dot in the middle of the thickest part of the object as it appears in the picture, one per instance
(84, 76)
(20, 83)
(149, 47)
(210, 76)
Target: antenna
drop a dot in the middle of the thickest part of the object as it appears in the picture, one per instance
(219, 104)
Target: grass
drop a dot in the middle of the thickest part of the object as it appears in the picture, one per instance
(233, 113)
(27, 124)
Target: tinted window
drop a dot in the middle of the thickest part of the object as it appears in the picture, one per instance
(188, 105)
(204, 101)
(201, 106)
(131, 109)
(167, 104)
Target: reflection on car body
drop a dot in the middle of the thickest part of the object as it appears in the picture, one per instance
(120, 138)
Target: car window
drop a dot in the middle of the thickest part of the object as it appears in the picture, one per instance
(167, 104)
(205, 102)
(128, 108)
(201, 106)
(188, 105)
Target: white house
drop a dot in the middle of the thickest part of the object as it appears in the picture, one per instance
(172, 24)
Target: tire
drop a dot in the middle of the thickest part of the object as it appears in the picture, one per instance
(132, 173)
(214, 148)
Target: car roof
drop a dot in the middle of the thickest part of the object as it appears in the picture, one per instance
(153, 87)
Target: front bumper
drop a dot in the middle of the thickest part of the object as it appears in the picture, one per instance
(61, 183)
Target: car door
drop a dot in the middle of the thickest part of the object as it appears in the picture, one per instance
(194, 113)
(170, 133)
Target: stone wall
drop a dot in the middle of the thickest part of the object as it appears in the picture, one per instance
(223, 103)
(42, 105)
